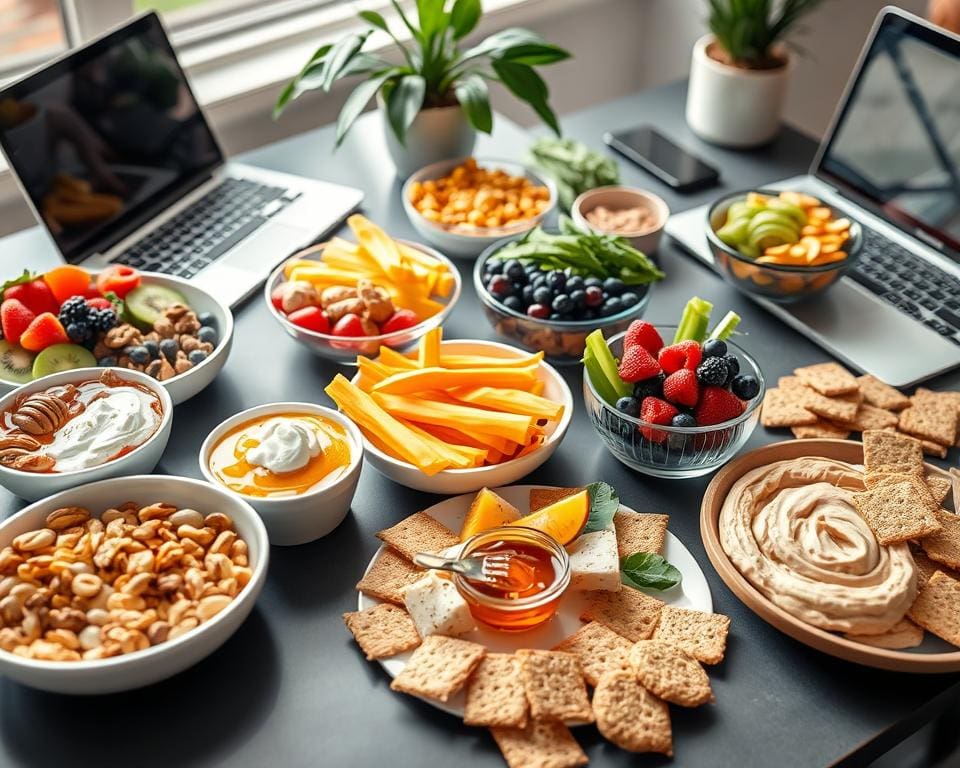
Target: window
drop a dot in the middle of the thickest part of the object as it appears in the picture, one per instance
(32, 31)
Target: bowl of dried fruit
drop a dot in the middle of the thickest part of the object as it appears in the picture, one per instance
(168, 569)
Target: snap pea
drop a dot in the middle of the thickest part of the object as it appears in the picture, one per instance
(573, 166)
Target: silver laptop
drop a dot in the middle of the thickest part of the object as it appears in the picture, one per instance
(118, 162)
(891, 160)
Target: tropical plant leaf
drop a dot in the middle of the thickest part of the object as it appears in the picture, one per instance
(464, 17)
(292, 90)
(403, 103)
(524, 83)
(474, 98)
(374, 19)
(534, 54)
(432, 17)
(357, 100)
(339, 56)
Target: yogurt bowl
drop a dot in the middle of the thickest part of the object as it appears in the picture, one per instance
(296, 464)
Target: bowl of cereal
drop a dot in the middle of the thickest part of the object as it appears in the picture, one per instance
(135, 607)
(463, 206)
(635, 214)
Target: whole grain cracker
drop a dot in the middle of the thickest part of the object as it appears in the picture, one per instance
(955, 481)
(439, 667)
(870, 417)
(495, 695)
(903, 634)
(382, 631)
(783, 409)
(838, 408)
(937, 607)
(418, 533)
(934, 449)
(554, 685)
(885, 451)
(830, 379)
(943, 546)
(544, 497)
(629, 612)
(925, 567)
(945, 398)
(924, 496)
(631, 717)
(663, 669)
(932, 420)
(822, 429)
(599, 650)
(640, 532)
(698, 634)
(895, 513)
(882, 395)
(940, 488)
(388, 575)
(542, 744)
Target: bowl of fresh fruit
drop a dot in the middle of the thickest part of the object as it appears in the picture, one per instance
(549, 290)
(784, 246)
(69, 318)
(673, 401)
(341, 298)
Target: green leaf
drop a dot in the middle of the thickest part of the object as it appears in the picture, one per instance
(604, 503)
(432, 17)
(338, 58)
(474, 98)
(503, 40)
(648, 570)
(534, 54)
(527, 86)
(464, 17)
(26, 277)
(406, 22)
(404, 102)
(293, 89)
(357, 100)
(118, 304)
(374, 19)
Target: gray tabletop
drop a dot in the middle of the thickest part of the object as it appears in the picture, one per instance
(290, 688)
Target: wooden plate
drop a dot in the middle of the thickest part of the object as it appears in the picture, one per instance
(932, 656)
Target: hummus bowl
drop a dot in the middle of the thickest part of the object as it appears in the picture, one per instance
(780, 603)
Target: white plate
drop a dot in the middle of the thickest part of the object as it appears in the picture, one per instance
(692, 592)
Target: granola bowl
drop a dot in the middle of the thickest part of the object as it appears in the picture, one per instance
(131, 460)
(140, 661)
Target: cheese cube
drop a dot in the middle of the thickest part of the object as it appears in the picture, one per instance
(436, 607)
(595, 562)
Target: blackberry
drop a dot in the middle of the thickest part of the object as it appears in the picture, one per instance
(652, 387)
(74, 311)
(733, 365)
(713, 371)
(103, 319)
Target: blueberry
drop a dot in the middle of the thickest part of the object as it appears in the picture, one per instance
(629, 299)
(543, 295)
(594, 295)
(514, 270)
(556, 280)
(153, 349)
(500, 286)
(169, 348)
(512, 302)
(611, 306)
(733, 366)
(614, 286)
(493, 267)
(652, 387)
(595, 282)
(538, 280)
(556, 316)
(745, 387)
(207, 335)
(713, 371)
(197, 356)
(107, 362)
(76, 332)
(579, 298)
(207, 318)
(538, 311)
(575, 283)
(629, 406)
(518, 288)
(714, 348)
(527, 294)
(589, 314)
(531, 269)
(683, 420)
(139, 355)
(562, 304)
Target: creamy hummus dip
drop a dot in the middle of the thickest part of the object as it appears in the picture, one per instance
(792, 530)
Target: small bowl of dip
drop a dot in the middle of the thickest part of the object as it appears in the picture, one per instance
(635, 214)
(296, 464)
(82, 425)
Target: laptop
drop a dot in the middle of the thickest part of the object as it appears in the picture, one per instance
(118, 162)
(890, 160)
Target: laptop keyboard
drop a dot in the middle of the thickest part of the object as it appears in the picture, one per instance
(911, 284)
(206, 230)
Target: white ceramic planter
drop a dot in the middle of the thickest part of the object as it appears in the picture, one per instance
(734, 107)
(439, 133)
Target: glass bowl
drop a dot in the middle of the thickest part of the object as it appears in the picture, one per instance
(562, 341)
(781, 283)
(676, 452)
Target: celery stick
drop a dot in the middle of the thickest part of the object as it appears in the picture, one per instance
(694, 321)
(597, 377)
(726, 326)
(605, 368)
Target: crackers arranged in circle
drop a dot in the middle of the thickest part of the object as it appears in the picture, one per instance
(382, 631)
(495, 694)
(418, 533)
(630, 716)
(554, 686)
(895, 513)
(439, 667)
(599, 649)
(701, 635)
(542, 744)
(629, 612)
(663, 669)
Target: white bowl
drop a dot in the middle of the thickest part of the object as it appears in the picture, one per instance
(189, 383)
(461, 243)
(133, 670)
(141, 460)
(455, 481)
(616, 197)
(296, 519)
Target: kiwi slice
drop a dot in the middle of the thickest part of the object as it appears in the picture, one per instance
(62, 357)
(146, 303)
(16, 363)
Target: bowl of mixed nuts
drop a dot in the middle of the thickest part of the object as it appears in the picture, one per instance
(123, 582)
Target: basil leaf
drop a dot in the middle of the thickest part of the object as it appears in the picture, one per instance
(604, 503)
(648, 570)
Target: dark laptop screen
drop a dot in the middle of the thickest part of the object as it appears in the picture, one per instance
(896, 145)
(106, 137)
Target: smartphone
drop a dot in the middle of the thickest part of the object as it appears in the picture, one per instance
(656, 154)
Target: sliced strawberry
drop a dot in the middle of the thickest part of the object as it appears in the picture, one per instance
(15, 317)
(681, 387)
(311, 318)
(400, 320)
(686, 354)
(637, 364)
(276, 298)
(35, 295)
(43, 332)
(716, 406)
(653, 410)
(645, 334)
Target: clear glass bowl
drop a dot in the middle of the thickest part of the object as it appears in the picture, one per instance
(675, 451)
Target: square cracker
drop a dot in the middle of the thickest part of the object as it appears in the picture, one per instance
(930, 419)
(925, 567)
(629, 612)
(387, 577)
(934, 449)
(640, 532)
(922, 490)
(666, 671)
(631, 717)
(870, 417)
(940, 488)
(903, 634)
(544, 497)
(382, 631)
(944, 545)
(554, 686)
(822, 429)
(783, 409)
(895, 513)
(882, 395)
(837, 408)
(439, 667)
(885, 451)
(937, 607)
(599, 649)
(830, 379)
(542, 744)
(495, 695)
(418, 533)
(698, 634)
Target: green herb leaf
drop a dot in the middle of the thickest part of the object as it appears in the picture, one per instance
(604, 503)
(118, 304)
(648, 570)
(26, 277)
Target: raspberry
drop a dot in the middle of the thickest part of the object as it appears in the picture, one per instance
(686, 354)
(637, 364)
(645, 334)
(653, 410)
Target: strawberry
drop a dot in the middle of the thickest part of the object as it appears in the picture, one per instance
(14, 318)
(44, 331)
(653, 410)
(686, 354)
(349, 325)
(645, 334)
(98, 302)
(681, 387)
(311, 318)
(400, 320)
(637, 364)
(276, 298)
(716, 406)
(35, 295)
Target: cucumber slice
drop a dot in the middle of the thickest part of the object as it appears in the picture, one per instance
(146, 303)
(16, 363)
(62, 357)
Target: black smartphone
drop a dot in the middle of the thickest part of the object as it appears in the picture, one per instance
(656, 154)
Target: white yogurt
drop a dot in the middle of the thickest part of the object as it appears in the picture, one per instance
(286, 445)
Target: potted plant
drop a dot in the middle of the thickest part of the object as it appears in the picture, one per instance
(435, 100)
(740, 71)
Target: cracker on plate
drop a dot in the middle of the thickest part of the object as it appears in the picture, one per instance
(418, 533)
(943, 546)
(937, 607)
(822, 429)
(387, 577)
(630, 716)
(925, 567)
(895, 512)
(903, 634)
(930, 419)
(629, 612)
(701, 635)
(382, 630)
(640, 532)
(495, 695)
(439, 667)
(554, 685)
(663, 669)
(542, 744)
(544, 497)
(882, 395)
(885, 451)
(830, 379)
(939, 487)
(920, 487)
(784, 409)
(599, 650)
